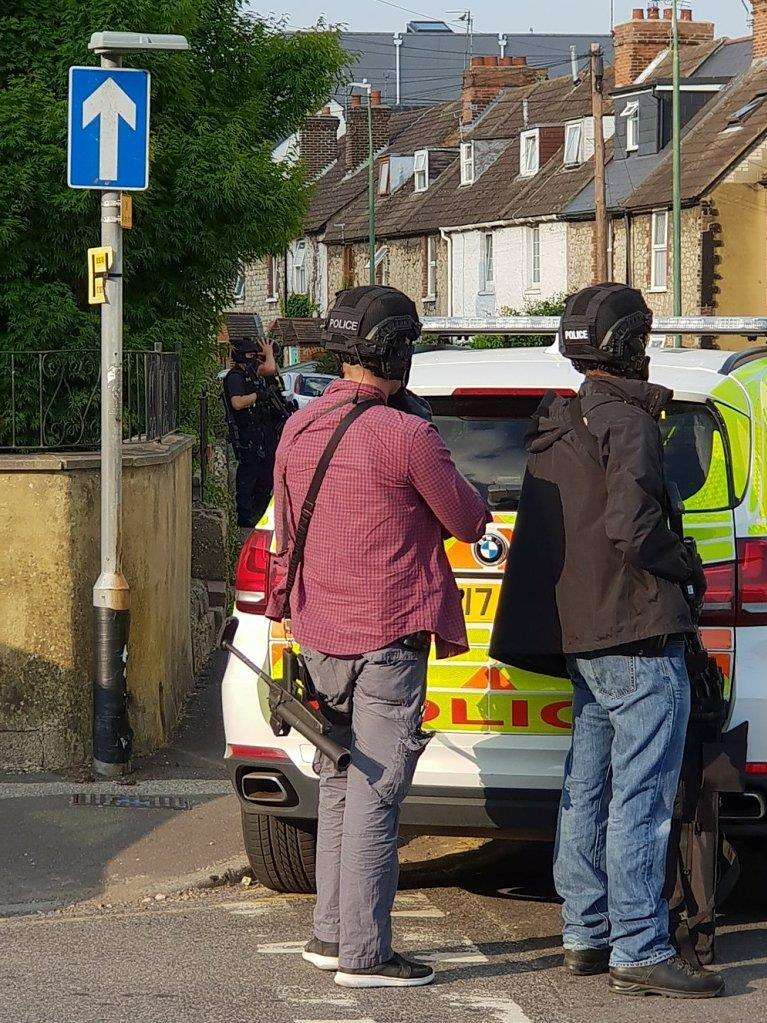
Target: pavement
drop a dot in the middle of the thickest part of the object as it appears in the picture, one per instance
(138, 912)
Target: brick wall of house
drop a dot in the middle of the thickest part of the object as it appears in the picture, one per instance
(347, 268)
(486, 76)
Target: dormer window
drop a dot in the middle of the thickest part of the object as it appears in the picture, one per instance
(467, 163)
(421, 182)
(528, 153)
(573, 135)
(631, 113)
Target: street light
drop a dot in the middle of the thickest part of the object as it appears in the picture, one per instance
(364, 84)
(112, 737)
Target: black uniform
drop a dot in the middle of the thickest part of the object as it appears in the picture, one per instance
(608, 574)
(254, 433)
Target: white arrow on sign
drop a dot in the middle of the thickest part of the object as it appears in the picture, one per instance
(110, 103)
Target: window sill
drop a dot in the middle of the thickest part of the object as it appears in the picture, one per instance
(658, 291)
(428, 298)
(632, 149)
(272, 299)
(486, 292)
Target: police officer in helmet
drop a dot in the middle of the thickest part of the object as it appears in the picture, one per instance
(373, 591)
(256, 413)
(595, 576)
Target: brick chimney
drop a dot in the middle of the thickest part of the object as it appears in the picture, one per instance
(319, 142)
(357, 128)
(486, 77)
(759, 8)
(639, 41)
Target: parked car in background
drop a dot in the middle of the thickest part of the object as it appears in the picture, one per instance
(495, 764)
(303, 385)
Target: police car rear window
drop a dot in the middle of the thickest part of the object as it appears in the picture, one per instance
(486, 437)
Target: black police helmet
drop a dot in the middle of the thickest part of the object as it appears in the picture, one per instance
(374, 326)
(607, 325)
(244, 346)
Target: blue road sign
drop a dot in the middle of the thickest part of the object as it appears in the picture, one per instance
(108, 128)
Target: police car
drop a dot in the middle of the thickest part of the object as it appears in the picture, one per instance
(495, 765)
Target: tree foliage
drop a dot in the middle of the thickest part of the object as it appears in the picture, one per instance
(216, 198)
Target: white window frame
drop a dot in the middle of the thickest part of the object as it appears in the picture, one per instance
(299, 268)
(238, 290)
(631, 114)
(659, 250)
(573, 140)
(487, 263)
(528, 168)
(533, 234)
(467, 163)
(431, 268)
(421, 170)
(384, 178)
(382, 257)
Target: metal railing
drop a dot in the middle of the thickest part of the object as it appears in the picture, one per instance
(460, 326)
(51, 400)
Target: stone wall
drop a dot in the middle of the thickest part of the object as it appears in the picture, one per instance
(49, 560)
(405, 270)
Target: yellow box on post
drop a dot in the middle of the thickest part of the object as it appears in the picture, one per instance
(99, 263)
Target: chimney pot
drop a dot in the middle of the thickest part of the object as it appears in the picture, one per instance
(490, 61)
(519, 61)
(668, 14)
(637, 14)
(375, 98)
(355, 100)
(653, 13)
(505, 62)
(685, 14)
(476, 62)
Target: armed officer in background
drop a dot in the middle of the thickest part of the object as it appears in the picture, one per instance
(256, 412)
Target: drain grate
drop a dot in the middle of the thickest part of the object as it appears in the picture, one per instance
(130, 802)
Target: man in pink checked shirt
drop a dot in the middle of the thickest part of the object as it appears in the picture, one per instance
(374, 587)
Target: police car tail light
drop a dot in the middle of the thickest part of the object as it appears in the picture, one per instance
(719, 602)
(752, 582)
(252, 575)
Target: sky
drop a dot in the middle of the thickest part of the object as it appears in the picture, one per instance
(729, 16)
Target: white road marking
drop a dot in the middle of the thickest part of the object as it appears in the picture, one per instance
(281, 948)
(427, 913)
(502, 1010)
(347, 1020)
(338, 1003)
(467, 952)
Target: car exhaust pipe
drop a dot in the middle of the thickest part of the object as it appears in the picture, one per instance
(264, 787)
(743, 808)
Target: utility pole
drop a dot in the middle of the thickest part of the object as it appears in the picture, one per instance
(600, 193)
(677, 169)
(364, 84)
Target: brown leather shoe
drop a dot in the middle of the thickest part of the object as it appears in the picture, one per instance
(587, 962)
(673, 978)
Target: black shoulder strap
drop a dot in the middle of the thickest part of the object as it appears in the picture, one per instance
(307, 509)
(586, 437)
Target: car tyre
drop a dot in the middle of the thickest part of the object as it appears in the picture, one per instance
(281, 852)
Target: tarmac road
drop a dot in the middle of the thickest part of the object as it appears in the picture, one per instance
(232, 954)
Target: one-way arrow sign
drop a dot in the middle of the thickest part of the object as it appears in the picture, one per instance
(108, 128)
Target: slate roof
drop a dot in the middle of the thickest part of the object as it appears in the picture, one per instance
(297, 330)
(431, 64)
(708, 152)
(500, 193)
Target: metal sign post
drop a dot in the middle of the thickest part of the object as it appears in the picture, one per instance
(109, 151)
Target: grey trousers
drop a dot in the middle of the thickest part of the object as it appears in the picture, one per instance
(375, 702)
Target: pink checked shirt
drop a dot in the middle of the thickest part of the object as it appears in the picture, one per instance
(375, 567)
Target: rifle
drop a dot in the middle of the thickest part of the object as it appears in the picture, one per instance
(289, 710)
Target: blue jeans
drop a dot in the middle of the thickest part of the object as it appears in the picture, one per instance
(629, 723)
